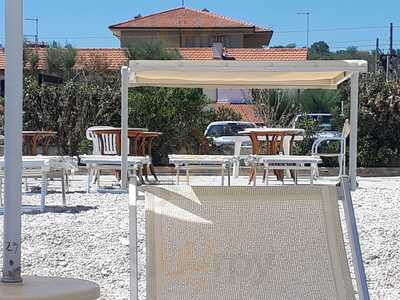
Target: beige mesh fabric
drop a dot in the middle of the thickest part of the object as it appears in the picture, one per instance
(328, 80)
(238, 243)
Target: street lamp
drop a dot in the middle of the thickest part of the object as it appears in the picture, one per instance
(308, 24)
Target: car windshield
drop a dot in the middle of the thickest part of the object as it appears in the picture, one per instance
(324, 121)
(228, 129)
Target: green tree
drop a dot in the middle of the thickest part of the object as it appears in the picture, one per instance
(61, 60)
(153, 50)
(319, 50)
(319, 101)
(290, 45)
(275, 107)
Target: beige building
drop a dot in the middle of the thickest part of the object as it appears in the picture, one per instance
(189, 28)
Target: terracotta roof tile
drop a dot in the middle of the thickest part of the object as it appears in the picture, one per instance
(248, 111)
(184, 17)
(2, 59)
(275, 54)
(113, 59)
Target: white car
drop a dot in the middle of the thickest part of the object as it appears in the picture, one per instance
(225, 133)
(324, 123)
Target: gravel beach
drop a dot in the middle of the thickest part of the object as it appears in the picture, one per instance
(89, 239)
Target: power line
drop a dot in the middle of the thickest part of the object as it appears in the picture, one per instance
(334, 29)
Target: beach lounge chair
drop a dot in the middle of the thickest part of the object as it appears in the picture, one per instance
(292, 163)
(214, 243)
(196, 162)
(43, 167)
(96, 163)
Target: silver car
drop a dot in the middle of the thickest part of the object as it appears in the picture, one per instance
(224, 134)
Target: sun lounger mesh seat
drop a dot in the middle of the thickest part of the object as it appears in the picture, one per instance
(245, 243)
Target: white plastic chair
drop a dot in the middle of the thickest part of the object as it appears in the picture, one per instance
(104, 144)
(341, 155)
(107, 140)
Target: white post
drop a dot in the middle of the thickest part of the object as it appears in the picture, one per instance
(353, 130)
(13, 142)
(124, 127)
(133, 255)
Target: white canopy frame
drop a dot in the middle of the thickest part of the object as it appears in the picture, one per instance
(317, 74)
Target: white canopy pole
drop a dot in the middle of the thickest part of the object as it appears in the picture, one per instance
(353, 130)
(124, 127)
(13, 142)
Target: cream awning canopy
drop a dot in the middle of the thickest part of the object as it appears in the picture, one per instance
(243, 74)
(317, 74)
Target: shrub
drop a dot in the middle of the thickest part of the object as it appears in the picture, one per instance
(61, 60)
(275, 107)
(379, 122)
(153, 50)
(181, 114)
(71, 108)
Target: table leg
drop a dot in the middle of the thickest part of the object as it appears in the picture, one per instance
(26, 184)
(177, 174)
(1, 192)
(222, 174)
(236, 152)
(89, 180)
(140, 171)
(64, 200)
(311, 176)
(255, 174)
(34, 143)
(256, 147)
(187, 175)
(153, 171)
(229, 174)
(43, 193)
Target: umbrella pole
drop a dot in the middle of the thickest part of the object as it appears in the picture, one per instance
(13, 141)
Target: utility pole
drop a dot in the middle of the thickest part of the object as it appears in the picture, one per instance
(389, 55)
(183, 3)
(308, 25)
(376, 55)
(13, 142)
(36, 20)
(391, 39)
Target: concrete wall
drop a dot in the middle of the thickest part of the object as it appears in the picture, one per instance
(255, 40)
(194, 38)
(211, 93)
(132, 38)
(2, 83)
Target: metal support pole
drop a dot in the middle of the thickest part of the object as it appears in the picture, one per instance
(362, 286)
(13, 142)
(353, 130)
(124, 127)
(133, 236)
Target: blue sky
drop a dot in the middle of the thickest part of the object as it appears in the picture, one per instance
(341, 23)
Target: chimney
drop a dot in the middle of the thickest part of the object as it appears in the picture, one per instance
(138, 16)
(218, 50)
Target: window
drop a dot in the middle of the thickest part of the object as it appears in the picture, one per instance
(217, 39)
(1, 88)
(216, 130)
(228, 129)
